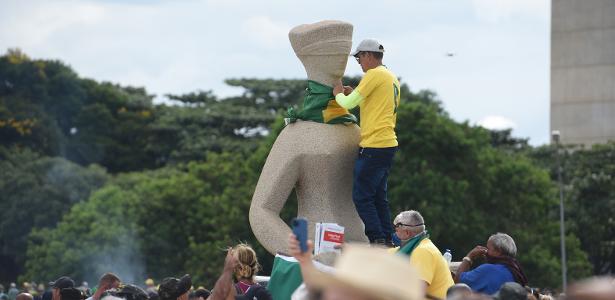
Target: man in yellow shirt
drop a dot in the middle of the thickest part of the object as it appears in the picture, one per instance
(377, 97)
(424, 255)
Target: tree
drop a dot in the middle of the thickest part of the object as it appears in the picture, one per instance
(201, 98)
(184, 134)
(45, 106)
(589, 197)
(272, 94)
(93, 236)
(159, 223)
(35, 192)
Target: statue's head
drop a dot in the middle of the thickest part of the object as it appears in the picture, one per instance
(323, 49)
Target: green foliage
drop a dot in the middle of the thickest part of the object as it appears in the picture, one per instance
(503, 140)
(589, 197)
(159, 223)
(35, 192)
(185, 134)
(91, 237)
(271, 94)
(113, 129)
(45, 106)
(201, 98)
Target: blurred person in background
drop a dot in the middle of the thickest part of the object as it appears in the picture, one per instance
(71, 294)
(594, 288)
(13, 291)
(246, 269)
(106, 282)
(150, 286)
(172, 288)
(40, 289)
(201, 294)
(225, 289)
(130, 292)
(24, 296)
(25, 287)
(85, 289)
(458, 291)
(32, 289)
(3, 296)
(513, 291)
(60, 284)
(151, 289)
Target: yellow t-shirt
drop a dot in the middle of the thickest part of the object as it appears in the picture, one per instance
(379, 89)
(432, 268)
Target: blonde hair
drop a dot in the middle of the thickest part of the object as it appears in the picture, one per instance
(248, 264)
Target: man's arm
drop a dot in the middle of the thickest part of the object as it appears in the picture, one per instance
(346, 97)
(466, 263)
(223, 289)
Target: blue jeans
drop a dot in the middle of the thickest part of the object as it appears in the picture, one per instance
(369, 191)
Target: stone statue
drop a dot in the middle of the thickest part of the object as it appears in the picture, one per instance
(315, 154)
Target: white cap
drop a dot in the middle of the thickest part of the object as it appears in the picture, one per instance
(369, 45)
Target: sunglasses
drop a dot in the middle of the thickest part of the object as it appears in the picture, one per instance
(358, 57)
(407, 225)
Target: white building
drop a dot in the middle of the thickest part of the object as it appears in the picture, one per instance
(583, 70)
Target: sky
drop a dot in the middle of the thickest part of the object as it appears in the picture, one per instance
(497, 77)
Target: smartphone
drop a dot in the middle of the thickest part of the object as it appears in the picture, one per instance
(300, 227)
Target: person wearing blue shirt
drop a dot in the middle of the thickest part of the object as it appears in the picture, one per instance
(501, 266)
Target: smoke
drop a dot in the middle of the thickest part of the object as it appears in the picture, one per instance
(121, 257)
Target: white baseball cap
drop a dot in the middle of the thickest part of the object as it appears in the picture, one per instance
(369, 45)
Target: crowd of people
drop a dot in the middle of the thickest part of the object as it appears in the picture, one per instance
(416, 269)
(413, 270)
(110, 287)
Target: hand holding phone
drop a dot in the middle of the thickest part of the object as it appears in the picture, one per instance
(300, 227)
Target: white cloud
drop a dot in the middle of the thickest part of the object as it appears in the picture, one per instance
(265, 32)
(497, 123)
(44, 19)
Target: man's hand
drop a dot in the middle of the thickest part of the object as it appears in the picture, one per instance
(295, 250)
(304, 258)
(347, 90)
(478, 251)
(338, 88)
(230, 262)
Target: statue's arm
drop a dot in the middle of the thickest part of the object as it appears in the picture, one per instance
(277, 180)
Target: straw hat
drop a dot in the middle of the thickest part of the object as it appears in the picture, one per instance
(372, 271)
